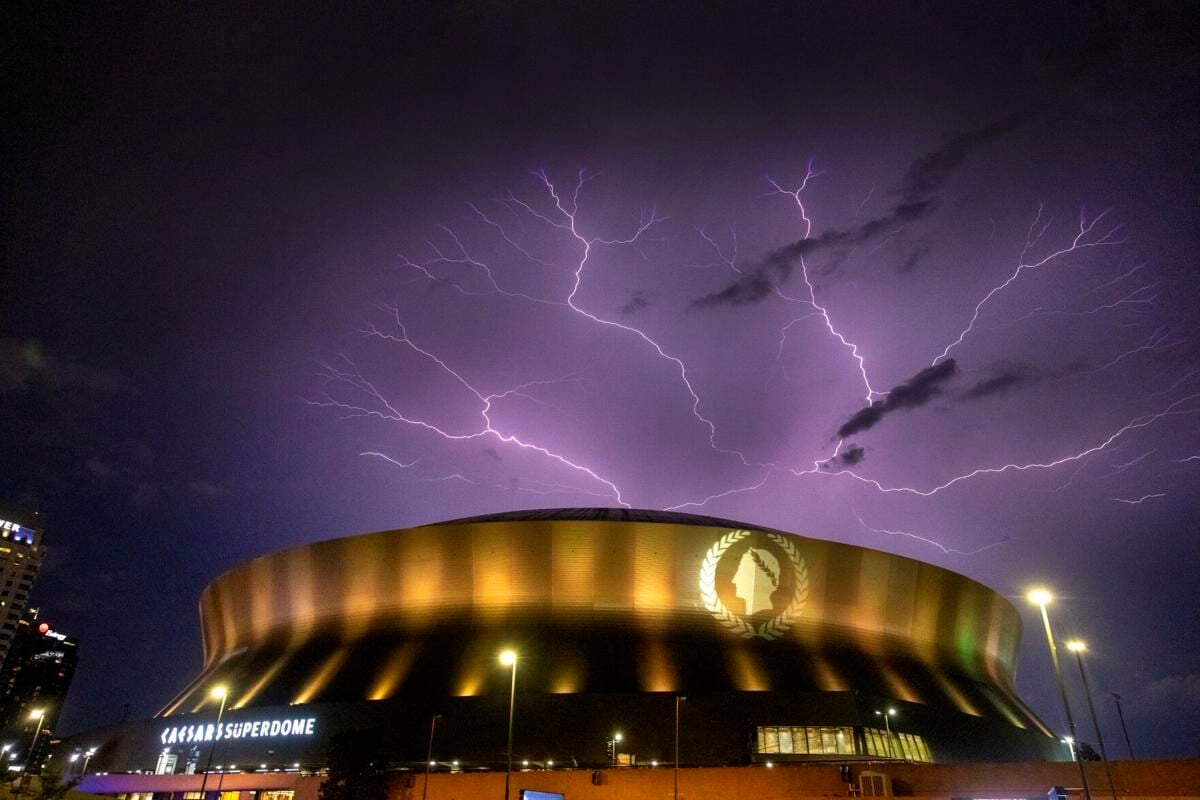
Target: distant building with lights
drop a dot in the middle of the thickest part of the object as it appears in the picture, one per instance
(34, 678)
(20, 559)
(770, 647)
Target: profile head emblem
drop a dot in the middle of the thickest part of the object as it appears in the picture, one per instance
(755, 584)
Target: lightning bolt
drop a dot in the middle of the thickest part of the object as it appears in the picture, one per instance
(569, 222)
(926, 540)
(1140, 500)
(1156, 341)
(387, 411)
(795, 194)
(1036, 229)
(1133, 425)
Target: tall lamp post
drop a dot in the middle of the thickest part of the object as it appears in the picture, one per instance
(678, 700)
(87, 756)
(40, 715)
(1117, 699)
(218, 692)
(887, 726)
(509, 659)
(612, 746)
(1041, 598)
(429, 755)
(1078, 647)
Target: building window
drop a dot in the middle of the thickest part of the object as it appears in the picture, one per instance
(806, 740)
(906, 746)
(825, 740)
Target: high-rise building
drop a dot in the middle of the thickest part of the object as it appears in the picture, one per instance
(20, 559)
(34, 681)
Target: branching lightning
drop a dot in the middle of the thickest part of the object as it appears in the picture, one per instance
(558, 210)
(1082, 241)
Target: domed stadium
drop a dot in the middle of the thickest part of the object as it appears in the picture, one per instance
(734, 643)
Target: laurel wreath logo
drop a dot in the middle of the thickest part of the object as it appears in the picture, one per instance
(772, 628)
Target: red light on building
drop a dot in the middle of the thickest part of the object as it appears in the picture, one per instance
(43, 628)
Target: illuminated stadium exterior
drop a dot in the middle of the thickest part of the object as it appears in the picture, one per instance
(785, 648)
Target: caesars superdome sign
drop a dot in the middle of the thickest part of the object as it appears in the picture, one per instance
(303, 726)
(754, 583)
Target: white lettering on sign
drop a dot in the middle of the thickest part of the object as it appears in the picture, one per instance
(185, 734)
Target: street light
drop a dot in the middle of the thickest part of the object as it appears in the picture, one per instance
(1041, 598)
(887, 726)
(40, 715)
(218, 692)
(509, 659)
(612, 743)
(86, 758)
(1078, 647)
(678, 700)
(429, 755)
(1121, 716)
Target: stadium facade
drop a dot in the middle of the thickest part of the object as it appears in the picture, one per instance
(753, 644)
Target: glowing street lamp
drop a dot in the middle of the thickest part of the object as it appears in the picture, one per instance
(1042, 598)
(87, 756)
(887, 726)
(1078, 647)
(40, 715)
(429, 755)
(509, 659)
(612, 743)
(218, 692)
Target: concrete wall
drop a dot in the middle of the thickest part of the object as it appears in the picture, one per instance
(1139, 780)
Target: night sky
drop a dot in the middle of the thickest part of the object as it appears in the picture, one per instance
(918, 279)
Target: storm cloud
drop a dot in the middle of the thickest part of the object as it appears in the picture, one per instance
(918, 391)
(924, 177)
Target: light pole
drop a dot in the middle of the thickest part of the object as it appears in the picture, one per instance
(612, 745)
(1117, 699)
(87, 756)
(678, 700)
(429, 755)
(509, 659)
(218, 692)
(887, 726)
(1077, 646)
(1041, 598)
(40, 715)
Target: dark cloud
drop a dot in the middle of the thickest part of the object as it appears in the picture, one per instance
(918, 391)
(923, 178)
(1005, 379)
(918, 254)
(931, 171)
(1007, 376)
(24, 365)
(636, 303)
(847, 458)
(99, 468)
(206, 488)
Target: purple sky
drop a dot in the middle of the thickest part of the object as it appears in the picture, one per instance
(264, 275)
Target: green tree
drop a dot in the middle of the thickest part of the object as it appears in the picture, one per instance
(357, 769)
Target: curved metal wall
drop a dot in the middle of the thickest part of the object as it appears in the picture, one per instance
(603, 605)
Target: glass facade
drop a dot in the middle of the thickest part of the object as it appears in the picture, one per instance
(905, 746)
(806, 740)
(815, 740)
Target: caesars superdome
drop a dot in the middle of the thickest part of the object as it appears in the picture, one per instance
(785, 647)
